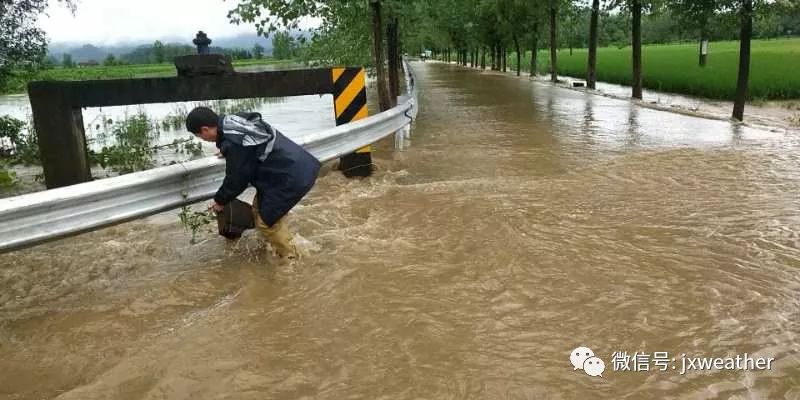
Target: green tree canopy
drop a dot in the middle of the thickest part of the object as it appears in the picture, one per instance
(22, 43)
(258, 51)
(283, 45)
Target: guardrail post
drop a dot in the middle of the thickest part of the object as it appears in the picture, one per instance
(350, 104)
(62, 140)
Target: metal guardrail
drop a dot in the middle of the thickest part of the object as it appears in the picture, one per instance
(33, 218)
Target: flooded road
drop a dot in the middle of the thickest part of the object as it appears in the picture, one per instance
(522, 222)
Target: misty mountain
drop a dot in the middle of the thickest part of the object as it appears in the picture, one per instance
(82, 52)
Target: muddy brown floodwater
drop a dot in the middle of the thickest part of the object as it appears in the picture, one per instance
(522, 222)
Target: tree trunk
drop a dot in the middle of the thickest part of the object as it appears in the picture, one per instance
(499, 58)
(483, 57)
(703, 61)
(535, 50)
(704, 45)
(591, 70)
(504, 58)
(519, 59)
(637, 48)
(553, 44)
(394, 77)
(384, 101)
(494, 57)
(571, 37)
(400, 53)
(744, 59)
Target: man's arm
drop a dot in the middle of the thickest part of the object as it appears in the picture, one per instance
(240, 166)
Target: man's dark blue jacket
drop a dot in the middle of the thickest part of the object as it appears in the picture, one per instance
(281, 180)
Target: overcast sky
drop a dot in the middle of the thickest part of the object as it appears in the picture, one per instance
(118, 21)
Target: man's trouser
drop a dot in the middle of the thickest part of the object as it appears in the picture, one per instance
(277, 235)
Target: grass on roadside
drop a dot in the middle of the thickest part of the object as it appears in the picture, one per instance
(674, 68)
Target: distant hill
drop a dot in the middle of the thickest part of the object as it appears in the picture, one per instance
(85, 52)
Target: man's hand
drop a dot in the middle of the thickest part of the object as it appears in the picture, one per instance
(216, 207)
(219, 154)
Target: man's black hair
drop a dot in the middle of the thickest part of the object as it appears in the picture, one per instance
(200, 117)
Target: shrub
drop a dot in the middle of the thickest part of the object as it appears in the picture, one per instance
(19, 143)
(132, 150)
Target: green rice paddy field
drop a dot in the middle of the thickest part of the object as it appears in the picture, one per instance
(19, 83)
(774, 74)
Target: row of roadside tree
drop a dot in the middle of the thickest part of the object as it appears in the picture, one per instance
(373, 31)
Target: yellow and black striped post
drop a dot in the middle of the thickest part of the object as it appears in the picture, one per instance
(350, 99)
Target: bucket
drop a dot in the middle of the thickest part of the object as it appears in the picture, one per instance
(235, 218)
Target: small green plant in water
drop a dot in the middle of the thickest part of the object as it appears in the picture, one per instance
(133, 150)
(176, 120)
(8, 178)
(10, 134)
(19, 143)
(195, 221)
(188, 147)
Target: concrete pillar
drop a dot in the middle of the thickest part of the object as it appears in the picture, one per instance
(62, 140)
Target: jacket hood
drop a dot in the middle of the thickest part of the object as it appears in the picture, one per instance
(248, 129)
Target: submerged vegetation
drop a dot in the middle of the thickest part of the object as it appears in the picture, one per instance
(128, 144)
(195, 221)
(19, 143)
(132, 149)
